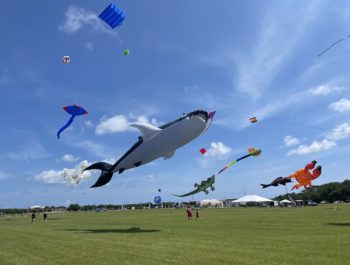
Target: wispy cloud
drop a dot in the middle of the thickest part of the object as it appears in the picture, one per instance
(258, 68)
(341, 105)
(34, 150)
(4, 78)
(325, 89)
(340, 132)
(3, 175)
(290, 140)
(77, 18)
(89, 45)
(255, 70)
(68, 176)
(120, 123)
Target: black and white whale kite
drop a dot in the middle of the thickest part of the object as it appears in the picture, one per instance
(156, 142)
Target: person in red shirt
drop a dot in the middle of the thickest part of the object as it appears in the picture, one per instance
(189, 213)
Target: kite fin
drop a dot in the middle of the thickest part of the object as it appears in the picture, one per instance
(168, 155)
(264, 185)
(106, 174)
(147, 130)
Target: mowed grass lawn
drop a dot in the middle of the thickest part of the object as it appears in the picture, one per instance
(303, 235)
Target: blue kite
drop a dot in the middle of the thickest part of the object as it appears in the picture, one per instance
(157, 199)
(112, 15)
(73, 110)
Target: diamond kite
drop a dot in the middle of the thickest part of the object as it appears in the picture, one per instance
(203, 151)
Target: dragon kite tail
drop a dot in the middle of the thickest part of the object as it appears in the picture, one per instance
(106, 174)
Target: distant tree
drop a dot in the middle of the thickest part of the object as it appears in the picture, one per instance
(74, 207)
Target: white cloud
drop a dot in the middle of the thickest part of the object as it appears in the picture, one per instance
(342, 105)
(69, 176)
(218, 150)
(325, 90)
(340, 132)
(78, 17)
(290, 140)
(90, 45)
(117, 123)
(120, 123)
(89, 124)
(69, 158)
(315, 147)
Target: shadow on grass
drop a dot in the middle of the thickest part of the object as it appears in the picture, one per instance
(115, 230)
(339, 224)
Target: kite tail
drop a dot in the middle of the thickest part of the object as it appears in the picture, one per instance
(265, 185)
(106, 174)
(65, 126)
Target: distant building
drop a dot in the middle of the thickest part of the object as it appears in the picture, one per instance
(211, 203)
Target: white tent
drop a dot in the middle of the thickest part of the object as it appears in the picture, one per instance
(252, 198)
(285, 201)
(211, 203)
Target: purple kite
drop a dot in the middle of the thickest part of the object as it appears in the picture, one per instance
(73, 110)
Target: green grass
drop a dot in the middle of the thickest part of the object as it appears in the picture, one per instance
(303, 235)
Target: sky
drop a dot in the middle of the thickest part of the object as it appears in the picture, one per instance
(240, 58)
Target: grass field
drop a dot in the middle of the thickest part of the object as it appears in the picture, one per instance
(302, 235)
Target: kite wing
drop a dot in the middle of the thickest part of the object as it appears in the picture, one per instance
(75, 110)
(112, 15)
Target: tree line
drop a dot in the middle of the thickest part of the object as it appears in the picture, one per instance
(330, 192)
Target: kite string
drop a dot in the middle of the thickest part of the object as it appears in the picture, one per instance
(335, 43)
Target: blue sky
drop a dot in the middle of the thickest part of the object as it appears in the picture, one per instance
(240, 58)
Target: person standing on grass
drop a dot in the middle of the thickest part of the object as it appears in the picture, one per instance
(45, 216)
(189, 213)
(33, 217)
(197, 214)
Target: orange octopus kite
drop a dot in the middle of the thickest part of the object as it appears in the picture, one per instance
(305, 176)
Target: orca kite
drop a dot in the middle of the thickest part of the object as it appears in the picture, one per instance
(155, 142)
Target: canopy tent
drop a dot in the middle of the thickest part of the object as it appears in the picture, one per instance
(252, 198)
(285, 201)
(211, 203)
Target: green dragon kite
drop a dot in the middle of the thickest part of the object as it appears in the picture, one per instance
(209, 183)
(203, 186)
